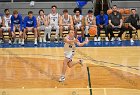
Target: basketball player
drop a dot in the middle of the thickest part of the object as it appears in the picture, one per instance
(30, 24)
(90, 21)
(7, 23)
(66, 22)
(69, 49)
(1, 34)
(53, 21)
(77, 18)
(42, 24)
(16, 25)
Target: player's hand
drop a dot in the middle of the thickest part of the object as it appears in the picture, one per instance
(133, 28)
(119, 26)
(13, 34)
(76, 40)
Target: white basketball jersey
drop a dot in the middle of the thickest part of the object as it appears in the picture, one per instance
(7, 21)
(66, 21)
(90, 21)
(69, 47)
(0, 20)
(41, 21)
(80, 19)
(54, 19)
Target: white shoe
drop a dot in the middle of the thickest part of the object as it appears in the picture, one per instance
(106, 39)
(112, 39)
(119, 39)
(40, 39)
(22, 43)
(131, 40)
(19, 41)
(44, 40)
(95, 39)
(99, 39)
(62, 78)
(81, 62)
(35, 43)
(10, 42)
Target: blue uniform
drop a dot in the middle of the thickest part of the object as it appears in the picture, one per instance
(30, 22)
(102, 20)
(16, 21)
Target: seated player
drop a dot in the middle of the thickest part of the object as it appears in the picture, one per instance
(66, 22)
(133, 21)
(53, 21)
(1, 34)
(69, 49)
(90, 21)
(42, 25)
(30, 24)
(6, 23)
(16, 25)
(77, 19)
(102, 23)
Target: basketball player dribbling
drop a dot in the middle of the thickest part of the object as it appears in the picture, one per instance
(69, 50)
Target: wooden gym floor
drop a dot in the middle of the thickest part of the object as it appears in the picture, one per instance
(35, 71)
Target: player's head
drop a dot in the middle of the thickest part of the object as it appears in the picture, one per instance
(30, 14)
(15, 13)
(54, 7)
(6, 11)
(77, 11)
(41, 12)
(133, 11)
(101, 12)
(71, 33)
(114, 8)
(90, 13)
(65, 12)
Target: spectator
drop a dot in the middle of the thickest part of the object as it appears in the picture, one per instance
(90, 21)
(115, 23)
(30, 24)
(16, 25)
(6, 23)
(54, 20)
(77, 19)
(102, 23)
(42, 24)
(66, 22)
(133, 21)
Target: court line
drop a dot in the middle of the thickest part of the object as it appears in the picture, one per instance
(105, 91)
(89, 82)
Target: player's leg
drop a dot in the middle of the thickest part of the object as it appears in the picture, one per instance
(14, 34)
(48, 32)
(61, 31)
(57, 32)
(35, 35)
(86, 30)
(1, 35)
(38, 33)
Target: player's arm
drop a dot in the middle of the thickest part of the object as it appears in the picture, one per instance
(45, 21)
(3, 22)
(20, 21)
(60, 21)
(38, 22)
(86, 22)
(83, 43)
(35, 22)
(25, 20)
(48, 19)
(12, 23)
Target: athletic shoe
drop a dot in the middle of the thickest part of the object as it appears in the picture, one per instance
(106, 39)
(119, 39)
(40, 39)
(44, 40)
(112, 39)
(131, 40)
(99, 39)
(62, 78)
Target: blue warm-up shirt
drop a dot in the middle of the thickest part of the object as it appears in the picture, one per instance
(30, 22)
(102, 20)
(16, 21)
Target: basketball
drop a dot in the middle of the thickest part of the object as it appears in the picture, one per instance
(109, 11)
(92, 31)
(121, 11)
(127, 11)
